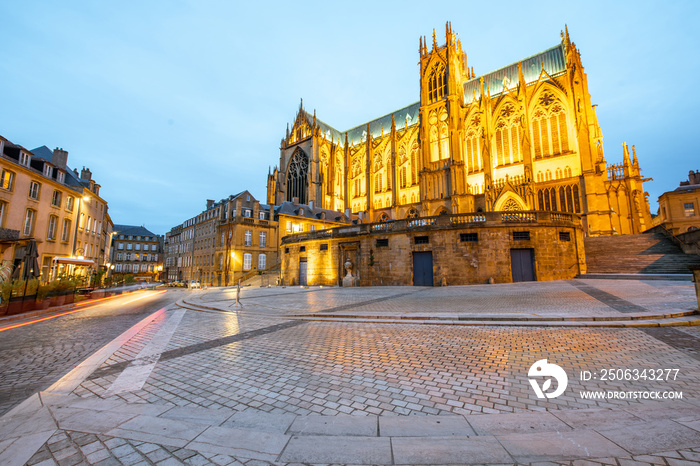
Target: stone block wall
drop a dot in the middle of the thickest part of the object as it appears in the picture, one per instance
(386, 258)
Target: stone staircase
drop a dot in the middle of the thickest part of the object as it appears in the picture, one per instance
(647, 253)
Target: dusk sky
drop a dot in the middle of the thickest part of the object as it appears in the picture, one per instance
(170, 103)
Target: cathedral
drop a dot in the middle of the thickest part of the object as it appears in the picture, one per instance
(521, 138)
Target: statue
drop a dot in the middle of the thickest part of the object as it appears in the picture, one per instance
(348, 279)
(348, 268)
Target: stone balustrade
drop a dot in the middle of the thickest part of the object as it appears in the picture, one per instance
(477, 219)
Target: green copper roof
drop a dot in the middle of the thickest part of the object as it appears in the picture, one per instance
(554, 61)
(327, 130)
(407, 116)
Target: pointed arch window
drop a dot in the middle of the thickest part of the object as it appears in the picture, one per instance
(414, 163)
(550, 130)
(325, 173)
(389, 167)
(437, 83)
(434, 154)
(297, 177)
(547, 199)
(473, 150)
(403, 167)
(564, 198)
(444, 141)
(507, 137)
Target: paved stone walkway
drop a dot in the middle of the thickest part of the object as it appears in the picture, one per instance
(254, 386)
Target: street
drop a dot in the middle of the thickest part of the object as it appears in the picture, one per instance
(34, 356)
(384, 375)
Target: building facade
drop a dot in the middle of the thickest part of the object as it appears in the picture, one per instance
(136, 251)
(523, 137)
(231, 239)
(293, 217)
(173, 256)
(679, 210)
(246, 239)
(42, 199)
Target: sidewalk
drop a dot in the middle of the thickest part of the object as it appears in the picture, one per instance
(222, 385)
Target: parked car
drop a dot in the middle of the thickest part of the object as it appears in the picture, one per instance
(194, 285)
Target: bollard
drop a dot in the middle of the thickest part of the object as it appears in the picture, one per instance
(696, 278)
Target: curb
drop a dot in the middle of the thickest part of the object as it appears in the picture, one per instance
(560, 324)
(682, 319)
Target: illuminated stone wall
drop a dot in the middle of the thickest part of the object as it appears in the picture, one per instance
(384, 251)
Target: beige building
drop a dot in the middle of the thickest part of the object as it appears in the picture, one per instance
(136, 251)
(42, 199)
(231, 239)
(520, 138)
(246, 239)
(293, 217)
(679, 210)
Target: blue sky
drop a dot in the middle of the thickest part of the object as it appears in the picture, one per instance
(170, 103)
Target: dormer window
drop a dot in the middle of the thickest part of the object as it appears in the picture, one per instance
(24, 159)
(61, 178)
(47, 170)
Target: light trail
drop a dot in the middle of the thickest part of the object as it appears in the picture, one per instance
(87, 303)
(144, 296)
(40, 320)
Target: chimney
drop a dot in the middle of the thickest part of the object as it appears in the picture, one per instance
(85, 174)
(210, 202)
(311, 206)
(59, 158)
(694, 177)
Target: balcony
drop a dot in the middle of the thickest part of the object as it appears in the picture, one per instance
(8, 236)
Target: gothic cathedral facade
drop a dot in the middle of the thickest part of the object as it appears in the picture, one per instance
(523, 137)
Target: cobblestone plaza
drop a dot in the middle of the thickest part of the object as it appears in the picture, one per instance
(385, 375)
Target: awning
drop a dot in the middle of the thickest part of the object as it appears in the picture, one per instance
(73, 261)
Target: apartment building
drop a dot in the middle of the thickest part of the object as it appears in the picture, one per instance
(230, 240)
(61, 209)
(137, 251)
